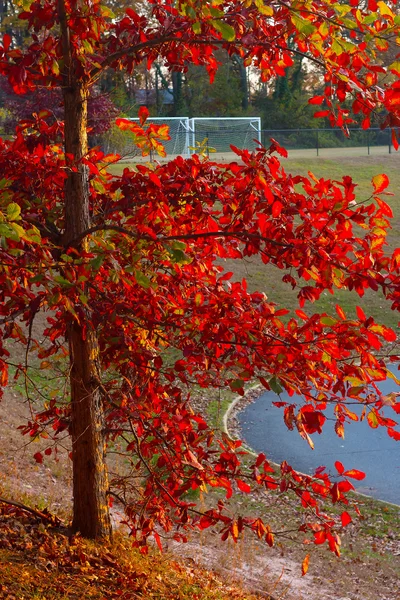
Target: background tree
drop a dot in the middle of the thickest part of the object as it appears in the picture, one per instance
(101, 110)
(127, 266)
(224, 97)
(284, 103)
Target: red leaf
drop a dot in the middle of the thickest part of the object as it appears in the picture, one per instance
(260, 459)
(360, 313)
(316, 100)
(354, 474)
(339, 467)
(38, 457)
(395, 141)
(394, 434)
(345, 486)
(153, 177)
(319, 537)
(346, 518)
(277, 208)
(321, 113)
(143, 115)
(243, 487)
(7, 39)
(206, 521)
(366, 123)
(158, 540)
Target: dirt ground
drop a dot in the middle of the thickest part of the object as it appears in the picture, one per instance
(368, 570)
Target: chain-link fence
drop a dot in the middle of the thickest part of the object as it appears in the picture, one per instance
(366, 141)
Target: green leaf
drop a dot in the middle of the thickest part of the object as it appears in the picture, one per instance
(8, 232)
(107, 12)
(303, 26)
(19, 231)
(37, 278)
(264, 9)
(142, 279)
(236, 384)
(14, 212)
(275, 385)
(227, 31)
(179, 257)
(196, 28)
(328, 321)
(97, 262)
(33, 235)
(62, 281)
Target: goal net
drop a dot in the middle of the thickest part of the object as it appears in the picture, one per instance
(218, 133)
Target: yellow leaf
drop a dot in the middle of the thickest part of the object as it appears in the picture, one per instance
(264, 10)
(385, 10)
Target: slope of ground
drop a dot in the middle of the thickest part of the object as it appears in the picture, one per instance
(369, 568)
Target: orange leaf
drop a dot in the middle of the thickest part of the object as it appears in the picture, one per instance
(304, 566)
(340, 312)
(380, 183)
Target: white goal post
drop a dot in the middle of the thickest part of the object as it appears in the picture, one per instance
(218, 133)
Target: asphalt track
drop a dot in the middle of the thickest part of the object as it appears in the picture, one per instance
(363, 448)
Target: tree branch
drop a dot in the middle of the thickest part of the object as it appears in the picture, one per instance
(50, 518)
(189, 42)
(168, 238)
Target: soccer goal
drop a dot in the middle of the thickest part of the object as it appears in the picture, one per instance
(219, 133)
(188, 136)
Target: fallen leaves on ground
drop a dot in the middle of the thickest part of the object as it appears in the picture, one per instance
(38, 560)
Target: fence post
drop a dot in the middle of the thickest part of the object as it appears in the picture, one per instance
(390, 141)
(317, 143)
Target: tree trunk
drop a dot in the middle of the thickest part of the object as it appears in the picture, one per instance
(90, 482)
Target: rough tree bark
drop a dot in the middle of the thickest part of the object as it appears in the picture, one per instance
(90, 482)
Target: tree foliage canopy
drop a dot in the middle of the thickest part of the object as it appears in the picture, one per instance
(128, 268)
